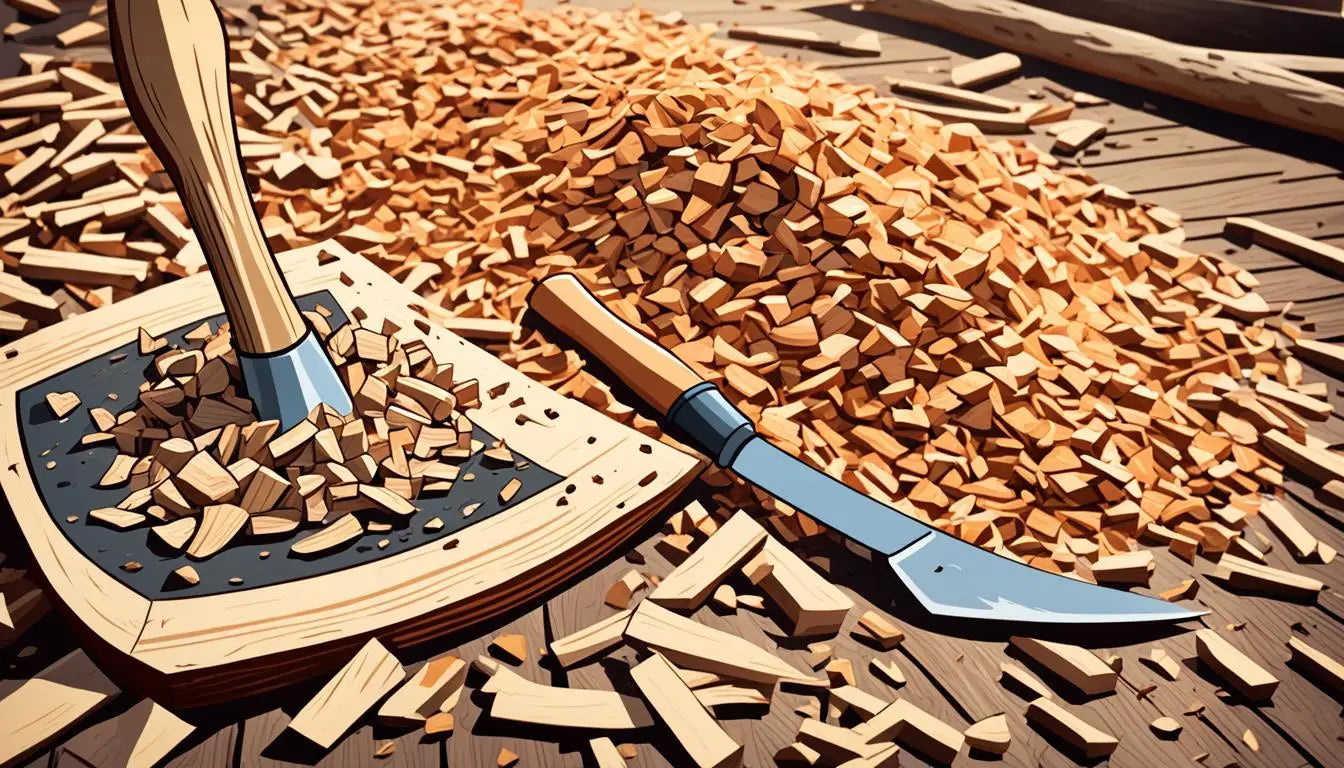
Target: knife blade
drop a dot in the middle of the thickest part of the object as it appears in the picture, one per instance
(948, 576)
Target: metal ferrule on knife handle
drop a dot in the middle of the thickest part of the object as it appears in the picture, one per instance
(706, 417)
(689, 403)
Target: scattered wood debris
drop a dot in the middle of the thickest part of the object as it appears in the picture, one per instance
(193, 448)
(366, 678)
(623, 589)
(822, 285)
(62, 403)
(1166, 727)
(813, 605)
(1323, 256)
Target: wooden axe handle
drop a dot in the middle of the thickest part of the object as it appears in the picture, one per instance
(172, 61)
(654, 374)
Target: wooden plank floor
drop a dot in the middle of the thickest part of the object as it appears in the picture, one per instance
(1201, 164)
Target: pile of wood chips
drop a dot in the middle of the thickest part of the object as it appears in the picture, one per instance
(203, 472)
(1010, 351)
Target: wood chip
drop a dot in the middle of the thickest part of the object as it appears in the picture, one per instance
(1247, 677)
(1322, 256)
(339, 533)
(366, 678)
(519, 700)
(990, 735)
(62, 403)
(914, 728)
(512, 648)
(590, 641)
(1078, 666)
(980, 71)
(812, 604)
(1240, 573)
(1326, 672)
(1166, 727)
(690, 723)
(623, 589)
(424, 692)
(220, 523)
(1089, 740)
(687, 587)
(691, 644)
(878, 630)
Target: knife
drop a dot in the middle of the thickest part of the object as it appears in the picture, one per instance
(948, 576)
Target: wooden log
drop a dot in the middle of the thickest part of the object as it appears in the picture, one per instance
(1323, 256)
(1091, 741)
(686, 588)
(1241, 85)
(690, 723)
(365, 679)
(813, 604)
(1247, 677)
(691, 644)
(141, 736)
(1078, 666)
(36, 710)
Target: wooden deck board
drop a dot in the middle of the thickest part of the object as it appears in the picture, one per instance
(1249, 197)
(1142, 176)
(1253, 258)
(1321, 222)
(1156, 143)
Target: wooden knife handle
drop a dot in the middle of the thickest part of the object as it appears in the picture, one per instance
(172, 61)
(654, 374)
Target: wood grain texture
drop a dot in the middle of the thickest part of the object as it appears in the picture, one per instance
(173, 66)
(34, 711)
(140, 737)
(269, 638)
(1241, 85)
